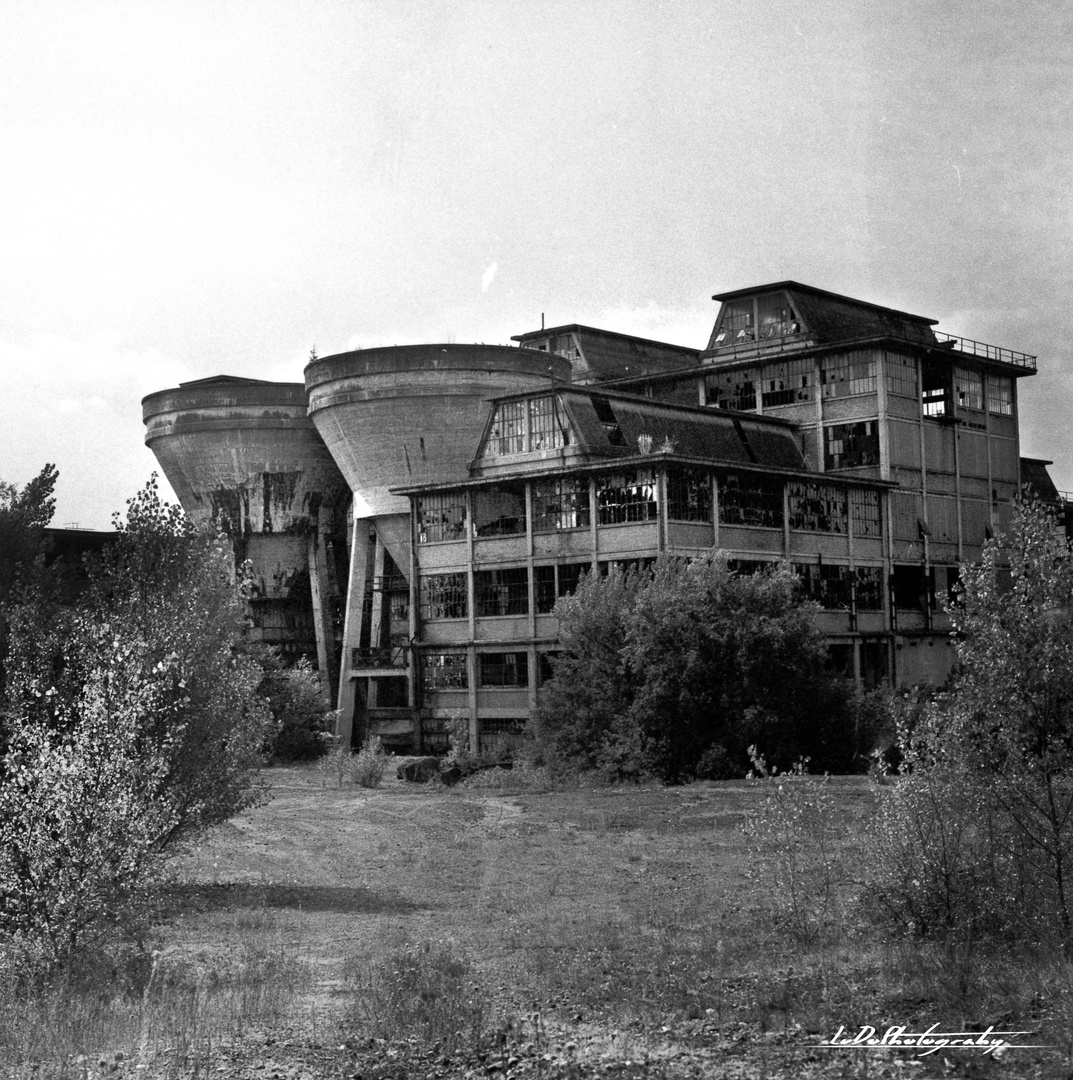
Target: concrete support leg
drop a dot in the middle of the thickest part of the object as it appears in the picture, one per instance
(355, 596)
(322, 621)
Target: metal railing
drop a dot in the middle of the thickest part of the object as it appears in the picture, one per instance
(989, 352)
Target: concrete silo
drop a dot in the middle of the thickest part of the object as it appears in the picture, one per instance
(244, 452)
(396, 417)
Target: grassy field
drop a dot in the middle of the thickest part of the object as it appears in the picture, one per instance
(417, 931)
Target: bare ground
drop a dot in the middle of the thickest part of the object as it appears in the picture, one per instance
(608, 931)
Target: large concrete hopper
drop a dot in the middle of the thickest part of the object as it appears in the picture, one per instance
(396, 417)
(244, 452)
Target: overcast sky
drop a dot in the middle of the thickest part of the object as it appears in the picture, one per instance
(193, 188)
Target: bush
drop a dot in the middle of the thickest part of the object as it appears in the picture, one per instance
(976, 838)
(303, 722)
(133, 725)
(677, 673)
(369, 763)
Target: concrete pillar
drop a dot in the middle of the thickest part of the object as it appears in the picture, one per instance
(355, 596)
(322, 619)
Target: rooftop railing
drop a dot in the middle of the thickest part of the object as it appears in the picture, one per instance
(989, 352)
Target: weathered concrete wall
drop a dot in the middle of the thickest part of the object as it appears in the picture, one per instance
(413, 414)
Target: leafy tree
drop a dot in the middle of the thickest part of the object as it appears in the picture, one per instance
(23, 516)
(990, 763)
(678, 674)
(581, 722)
(133, 725)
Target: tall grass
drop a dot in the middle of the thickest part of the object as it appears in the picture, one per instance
(164, 1012)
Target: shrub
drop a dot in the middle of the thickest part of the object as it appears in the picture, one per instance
(675, 674)
(977, 837)
(794, 833)
(133, 724)
(367, 768)
(303, 721)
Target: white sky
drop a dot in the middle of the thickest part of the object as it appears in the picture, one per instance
(195, 187)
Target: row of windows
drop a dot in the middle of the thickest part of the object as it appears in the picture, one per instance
(450, 670)
(840, 588)
(503, 591)
(744, 498)
(792, 381)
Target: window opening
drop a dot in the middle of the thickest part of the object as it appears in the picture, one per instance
(868, 588)
(444, 671)
(816, 507)
(606, 415)
(503, 669)
(508, 429)
(441, 516)
(625, 497)
(844, 376)
(443, 596)
(750, 499)
(865, 507)
(561, 504)
(851, 446)
(501, 592)
(828, 585)
(901, 375)
(732, 390)
(969, 386)
(689, 494)
(787, 383)
(499, 511)
(935, 388)
(546, 429)
(999, 395)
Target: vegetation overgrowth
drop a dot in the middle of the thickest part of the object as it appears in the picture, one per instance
(674, 674)
(528, 923)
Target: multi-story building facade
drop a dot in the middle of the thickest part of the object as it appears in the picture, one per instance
(847, 440)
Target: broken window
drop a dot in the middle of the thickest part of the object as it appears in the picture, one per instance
(935, 388)
(851, 446)
(623, 497)
(606, 415)
(787, 382)
(503, 669)
(443, 596)
(868, 588)
(829, 586)
(561, 504)
(750, 499)
(844, 376)
(816, 507)
(444, 671)
(732, 390)
(501, 592)
(910, 585)
(499, 511)
(689, 494)
(441, 516)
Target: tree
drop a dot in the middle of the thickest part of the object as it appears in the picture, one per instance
(133, 725)
(991, 762)
(679, 673)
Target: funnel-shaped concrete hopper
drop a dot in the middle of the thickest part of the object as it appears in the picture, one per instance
(413, 414)
(244, 450)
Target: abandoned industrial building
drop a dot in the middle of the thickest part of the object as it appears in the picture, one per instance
(413, 513)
